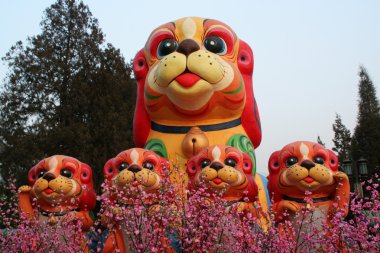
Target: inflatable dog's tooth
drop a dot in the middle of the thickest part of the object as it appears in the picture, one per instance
(195, 90)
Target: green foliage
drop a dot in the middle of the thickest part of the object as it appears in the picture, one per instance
(67, 92)
(366, 137)
(342, 139)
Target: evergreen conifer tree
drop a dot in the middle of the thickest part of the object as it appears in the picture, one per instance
(342, 139)
(67, 92)
(366, 137)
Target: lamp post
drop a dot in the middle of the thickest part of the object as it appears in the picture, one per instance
(357, 170)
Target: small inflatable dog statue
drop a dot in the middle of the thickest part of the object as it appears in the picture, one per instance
(303, 176)
(133, 171)
(60, 187)
(226, 170)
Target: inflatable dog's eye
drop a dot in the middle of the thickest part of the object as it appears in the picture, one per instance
(230, 162)
(41, 173)
(148, 165)
(291, 160)
(166, 47)
(215, 44)
(319, 160)
(205, 163)
(66, 173)
(123, 166)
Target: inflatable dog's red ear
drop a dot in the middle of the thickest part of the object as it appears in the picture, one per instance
(109, 171)
(334, 161)
(141, 121)
(245, 59)
(165, 165)
(88, 196)
(273, 163)
(191, 167)
(274, 169)
(250, 118)
(32, 174)
(140, 66)
(252, 188)
(86, 174)
(247, 164)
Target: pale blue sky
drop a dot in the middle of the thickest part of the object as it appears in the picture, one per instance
(307, 53)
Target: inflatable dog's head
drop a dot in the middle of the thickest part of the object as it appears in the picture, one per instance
(302, 166)
(223, 168)
(136, 167)
(63, 180)
(194, 68)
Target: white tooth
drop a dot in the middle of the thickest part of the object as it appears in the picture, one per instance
(216, 153)
(134, 156)
(304, 151)
(189, 28)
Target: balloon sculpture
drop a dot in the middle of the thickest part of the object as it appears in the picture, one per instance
(195, 90)
(133, 169)
(62, 188)
(302, 167)
(224, 170)
(196, 109)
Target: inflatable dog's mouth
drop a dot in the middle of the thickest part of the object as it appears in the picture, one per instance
(188, 78)
(307, 179)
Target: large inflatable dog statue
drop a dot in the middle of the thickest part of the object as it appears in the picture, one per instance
(195, 90)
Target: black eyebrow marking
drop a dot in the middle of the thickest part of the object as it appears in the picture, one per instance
(173, 24)
(204, 21)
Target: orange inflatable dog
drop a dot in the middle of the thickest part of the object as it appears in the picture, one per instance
(138, 169)
(62, 187)
(227, 170)
(195, 90)
(307, 166)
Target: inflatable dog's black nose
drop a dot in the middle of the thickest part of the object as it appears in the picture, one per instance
(49, 176)
(134, 168)
(307, 164)
(216, 166)
(187, 46)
